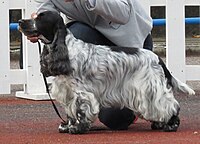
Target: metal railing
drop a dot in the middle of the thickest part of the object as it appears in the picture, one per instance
(31, 77)
(156, 22)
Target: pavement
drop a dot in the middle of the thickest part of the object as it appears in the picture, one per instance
(35, 122)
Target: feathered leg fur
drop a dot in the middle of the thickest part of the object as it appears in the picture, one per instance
(81, 107)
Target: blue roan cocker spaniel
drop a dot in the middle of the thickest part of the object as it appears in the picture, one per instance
(88, 77)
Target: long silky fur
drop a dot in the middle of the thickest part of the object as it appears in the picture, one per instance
(88, 77)
(117, 79)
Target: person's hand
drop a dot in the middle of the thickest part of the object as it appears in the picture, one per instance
(33, 39)
(33, 15)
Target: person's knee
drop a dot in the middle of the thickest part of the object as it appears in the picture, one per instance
(148, 43)
(116, 119)
(80, 31)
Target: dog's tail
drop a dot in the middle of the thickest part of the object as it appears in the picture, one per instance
(176, 84)
(180, 86)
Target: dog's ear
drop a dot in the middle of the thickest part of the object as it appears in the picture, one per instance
(60, 32)
(44, 58)
(59, 63)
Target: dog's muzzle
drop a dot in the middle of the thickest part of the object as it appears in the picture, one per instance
(28, 27)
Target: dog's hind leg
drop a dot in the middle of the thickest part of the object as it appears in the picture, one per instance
(157, 125)
(172, 124)
(165, 111)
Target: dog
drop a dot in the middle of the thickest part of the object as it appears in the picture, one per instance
(89, 77)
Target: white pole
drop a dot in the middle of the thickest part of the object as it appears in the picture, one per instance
(34, 88)
(4, 47)
(175, 37)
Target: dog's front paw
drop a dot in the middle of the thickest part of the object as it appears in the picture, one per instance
(79, 128)
(172, 125)
(157, 125)
(63, 128)
(74, 130)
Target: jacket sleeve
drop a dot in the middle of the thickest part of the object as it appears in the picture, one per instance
(117, 11)
(44, 5)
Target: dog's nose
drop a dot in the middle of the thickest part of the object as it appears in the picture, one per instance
(20, 21)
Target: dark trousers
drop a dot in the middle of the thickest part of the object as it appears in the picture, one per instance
(114, 118)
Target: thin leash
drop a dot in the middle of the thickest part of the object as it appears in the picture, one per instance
(47, 90)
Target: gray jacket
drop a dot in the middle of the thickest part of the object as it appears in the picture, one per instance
(124, 22)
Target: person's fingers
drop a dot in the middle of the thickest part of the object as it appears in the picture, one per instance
(33, 15)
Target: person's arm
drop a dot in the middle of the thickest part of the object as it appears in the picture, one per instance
(44, 5)
(117, 11)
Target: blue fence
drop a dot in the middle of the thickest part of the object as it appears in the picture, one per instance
(156, 22)
(162, 22)
(14, 26)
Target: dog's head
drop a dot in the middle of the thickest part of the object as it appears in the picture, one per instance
(45, 26)
(50, 28)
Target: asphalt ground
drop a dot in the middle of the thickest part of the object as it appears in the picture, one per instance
(35, 122)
